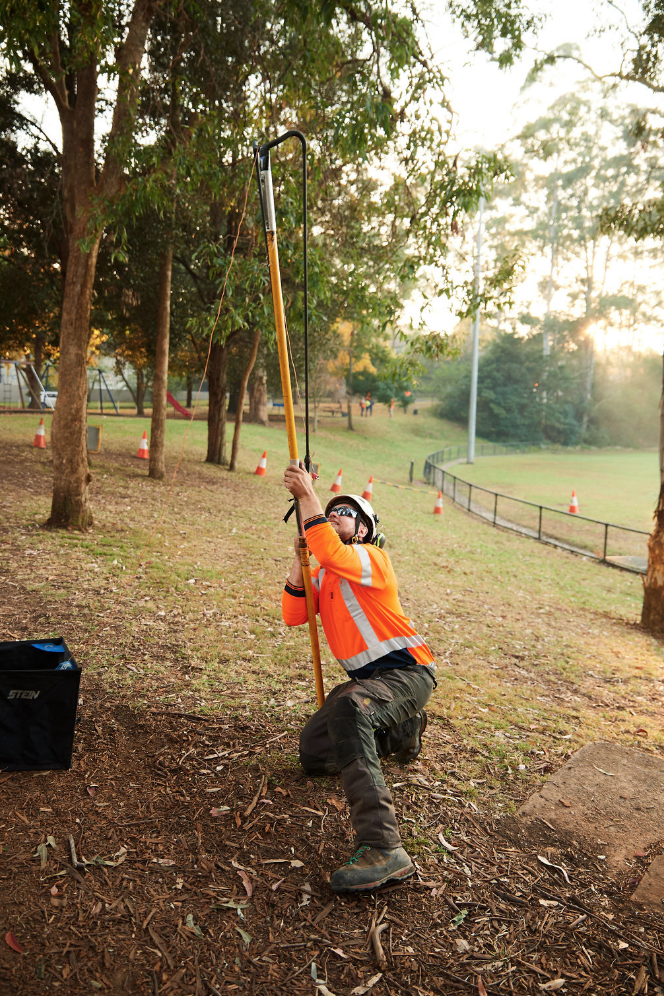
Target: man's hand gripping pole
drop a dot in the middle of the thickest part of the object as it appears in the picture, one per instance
(266, 195)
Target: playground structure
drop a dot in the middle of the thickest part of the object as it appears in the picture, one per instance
(19, 381)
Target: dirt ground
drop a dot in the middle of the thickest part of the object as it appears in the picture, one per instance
(201, 853)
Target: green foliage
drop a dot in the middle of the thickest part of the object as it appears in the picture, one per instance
(524, 398)
(498, 28)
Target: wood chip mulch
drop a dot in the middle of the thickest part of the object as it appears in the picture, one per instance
(190, 855)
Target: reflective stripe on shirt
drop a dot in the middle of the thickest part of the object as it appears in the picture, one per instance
(375, 648)
(317, 581)
(365, 560)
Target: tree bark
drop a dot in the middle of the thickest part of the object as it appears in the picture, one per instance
(75, 97)
(240, 401)
(258, 395)
(350, 382)
(71, 477)
(157, 468)
(33, 386)
(190, 390)
(216, 450)
(652, 612)
(140, 393)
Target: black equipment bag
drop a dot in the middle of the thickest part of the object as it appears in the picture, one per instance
(38, 700)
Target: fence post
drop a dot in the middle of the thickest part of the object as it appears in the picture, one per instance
(606, 539)
(470, 491)
(412, 464)
(539, 527)
(495, 507)
(454, 488)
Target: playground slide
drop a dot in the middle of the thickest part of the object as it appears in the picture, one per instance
(180, 409)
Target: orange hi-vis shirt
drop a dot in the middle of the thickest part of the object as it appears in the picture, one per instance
(356, 593)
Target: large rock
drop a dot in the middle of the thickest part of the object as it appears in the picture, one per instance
(607, 797)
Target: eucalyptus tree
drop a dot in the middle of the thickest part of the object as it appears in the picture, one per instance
(346, 71)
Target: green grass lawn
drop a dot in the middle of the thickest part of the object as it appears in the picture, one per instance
(618, 486)
(538, 651)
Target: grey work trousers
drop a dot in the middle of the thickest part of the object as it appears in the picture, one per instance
(339, 738)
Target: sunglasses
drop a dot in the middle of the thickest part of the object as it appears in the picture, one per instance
(345, 510)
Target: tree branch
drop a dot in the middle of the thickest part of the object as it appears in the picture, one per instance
(124, 112)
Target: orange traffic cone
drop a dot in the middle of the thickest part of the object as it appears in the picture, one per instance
(573, 504)
(40, 436)
(143, 452)
(262, 464)
(336, 487)
(438, 507)
(368, 491)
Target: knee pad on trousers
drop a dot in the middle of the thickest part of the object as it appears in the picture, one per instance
(344, 731)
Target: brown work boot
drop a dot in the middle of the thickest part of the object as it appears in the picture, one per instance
(370, 867)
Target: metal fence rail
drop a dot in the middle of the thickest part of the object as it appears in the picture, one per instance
(607, 542)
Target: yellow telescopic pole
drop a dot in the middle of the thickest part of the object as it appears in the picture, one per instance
(265, 177)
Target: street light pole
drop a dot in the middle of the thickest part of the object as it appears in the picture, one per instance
(472, 413)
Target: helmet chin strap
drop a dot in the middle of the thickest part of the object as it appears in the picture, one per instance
(355, 538)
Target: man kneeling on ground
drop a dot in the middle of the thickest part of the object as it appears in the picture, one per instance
(379, 711)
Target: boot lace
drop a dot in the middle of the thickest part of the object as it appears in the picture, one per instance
(358, 854)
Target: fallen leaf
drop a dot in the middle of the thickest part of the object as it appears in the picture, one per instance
(297, 864)
(96, 909)
(566, 803)
(220, 810)
(277, 884)
(339, 952)
(549, 864)
(361, 990)
(548, 902)
(480, 986)
(244, 935)
(192, 926)
(322, 989)
(446, 844)
(162, 861)
(639, 982)
(338, 804)
(640, 854)
(462, 945)
(13, 943)
(248, 887)
(554, 984)
(42, 854)
(91, 791)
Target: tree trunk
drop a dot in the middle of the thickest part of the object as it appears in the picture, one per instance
(652, 613)
(216, 450)
(240, 401)
(190, 391)
(589, 348)
(233, 395)
(33, 386)
(350, 382)
(258, 395)
(71, 477)
(140, 393)
(157, 468)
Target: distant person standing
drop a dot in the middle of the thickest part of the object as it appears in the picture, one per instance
(363, 405)
(370, 403)
(391, 407)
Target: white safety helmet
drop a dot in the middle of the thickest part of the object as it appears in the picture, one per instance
(366, 514)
